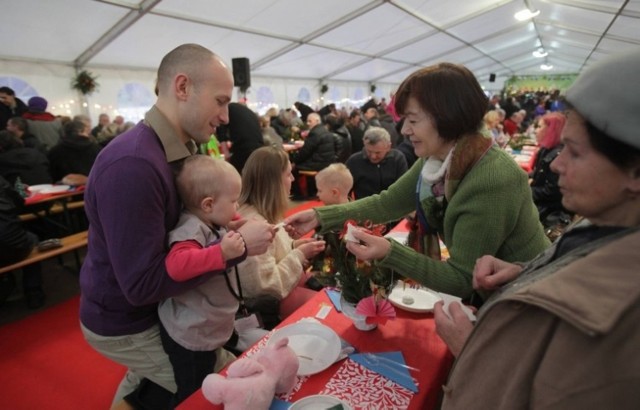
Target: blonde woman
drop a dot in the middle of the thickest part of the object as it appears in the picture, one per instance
(492, 122)
(280, 271)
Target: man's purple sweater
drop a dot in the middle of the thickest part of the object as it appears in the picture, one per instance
(131, 203)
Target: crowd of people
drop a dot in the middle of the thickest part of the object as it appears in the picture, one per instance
(35, 139)
(210, 236)
(38, 148)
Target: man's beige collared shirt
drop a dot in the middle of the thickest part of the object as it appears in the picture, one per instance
(174, 149)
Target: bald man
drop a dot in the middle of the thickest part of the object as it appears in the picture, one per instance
(131, 203)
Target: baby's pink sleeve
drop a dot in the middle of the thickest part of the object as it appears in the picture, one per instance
(188, 259)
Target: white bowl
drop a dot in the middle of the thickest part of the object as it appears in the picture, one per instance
(318, 402)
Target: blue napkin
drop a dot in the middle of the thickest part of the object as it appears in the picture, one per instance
(390, 365)
(334, 296)
(278, 404)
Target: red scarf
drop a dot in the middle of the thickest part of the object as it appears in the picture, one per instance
(38, 116)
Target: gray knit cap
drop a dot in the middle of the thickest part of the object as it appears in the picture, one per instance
(607, 94)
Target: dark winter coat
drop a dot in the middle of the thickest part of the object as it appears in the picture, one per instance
(14, 243)
(29, 164)
(406, 147)
(357, 134)
(544, 183)
(343, 144)
(369, 178)
(74, 154)
(6, 113)
(318, 150)
(243, 131)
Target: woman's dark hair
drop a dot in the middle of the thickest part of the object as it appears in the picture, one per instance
(450, 93)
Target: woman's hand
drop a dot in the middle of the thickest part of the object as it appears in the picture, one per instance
(491, 273)
(309, 247)
(454, 330)
(370, 246)
(257, 234)
(299, 224)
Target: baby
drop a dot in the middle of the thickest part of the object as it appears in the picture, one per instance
(198, 322)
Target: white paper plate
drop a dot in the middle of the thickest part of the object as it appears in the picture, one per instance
(37, 188)
(318, 402)
(55, 189)
(423, 299)
(316, 345)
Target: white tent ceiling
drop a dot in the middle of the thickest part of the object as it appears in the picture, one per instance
(357, 40)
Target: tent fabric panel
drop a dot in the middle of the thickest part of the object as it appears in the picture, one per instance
(380, 29)
(307, 61)
(54, 31)
(288, 18)
(372, 69)
(431, 46)
(446, 13)
(147, 41)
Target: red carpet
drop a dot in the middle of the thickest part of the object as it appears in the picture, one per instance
(45, 362)
(304, 206)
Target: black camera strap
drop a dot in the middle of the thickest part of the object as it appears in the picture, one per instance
(238, 296)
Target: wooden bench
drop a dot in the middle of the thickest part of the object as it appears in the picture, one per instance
(69, 243)
(57, 208)
(62, 218)
(303, 181)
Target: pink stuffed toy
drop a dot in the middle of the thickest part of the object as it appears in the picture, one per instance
(252, 382)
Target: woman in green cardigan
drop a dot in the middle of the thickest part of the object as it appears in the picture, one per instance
(465, 191)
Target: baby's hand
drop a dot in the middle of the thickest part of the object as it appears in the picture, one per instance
(232, 245)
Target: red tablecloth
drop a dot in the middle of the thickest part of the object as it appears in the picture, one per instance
(39, 197)
(411, 333)
(525, 157)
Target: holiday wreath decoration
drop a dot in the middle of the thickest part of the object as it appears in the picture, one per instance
(85, 82)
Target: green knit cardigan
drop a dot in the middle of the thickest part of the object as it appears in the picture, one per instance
(491, 213)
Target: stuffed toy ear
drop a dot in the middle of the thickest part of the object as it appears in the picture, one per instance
(213, 388)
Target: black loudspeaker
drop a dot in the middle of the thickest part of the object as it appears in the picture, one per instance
(241, 72)
(492, 78)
